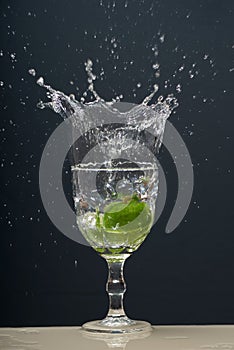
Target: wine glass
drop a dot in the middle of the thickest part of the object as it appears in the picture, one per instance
(115, 206)
(114, 197)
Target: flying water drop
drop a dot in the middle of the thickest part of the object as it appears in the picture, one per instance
(32, 72)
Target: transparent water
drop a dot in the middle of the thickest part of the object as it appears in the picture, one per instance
(116, 216)
(114, 170)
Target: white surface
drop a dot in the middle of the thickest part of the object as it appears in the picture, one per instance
(161, 338)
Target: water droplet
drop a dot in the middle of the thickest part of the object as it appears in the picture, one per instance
(162, 38)
(155, 50)
(156, 65)
(72, 97)
(40, 81)
(178, 88)
(32, 72)
(40, 105)
(191, 74)
(181, 68)
(13, 55)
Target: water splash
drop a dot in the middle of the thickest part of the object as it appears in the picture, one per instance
(113, 141)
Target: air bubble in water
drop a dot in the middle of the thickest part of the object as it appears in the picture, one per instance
(1, 83)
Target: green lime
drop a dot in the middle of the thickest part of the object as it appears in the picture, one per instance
(135, 216)
(123, 225)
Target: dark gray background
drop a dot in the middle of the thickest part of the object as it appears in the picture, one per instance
(182, 278)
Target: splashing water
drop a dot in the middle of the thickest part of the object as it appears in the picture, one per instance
(115, 176)
(138, 120)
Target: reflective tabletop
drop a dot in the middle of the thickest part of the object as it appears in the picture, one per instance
(161, 338)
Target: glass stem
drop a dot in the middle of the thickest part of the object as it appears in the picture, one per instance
(116, 286)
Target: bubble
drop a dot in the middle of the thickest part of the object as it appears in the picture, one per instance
(1, 83)
(138, 85)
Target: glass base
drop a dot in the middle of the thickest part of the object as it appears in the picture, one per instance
(117, 325)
